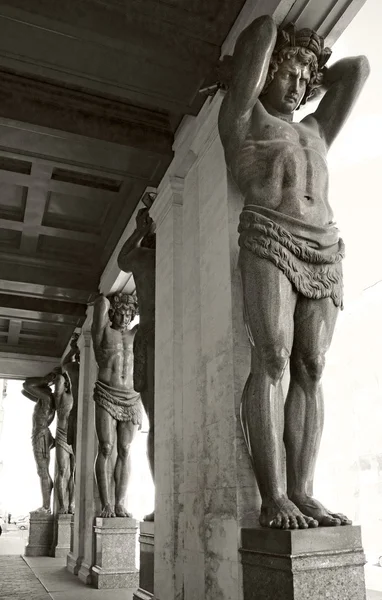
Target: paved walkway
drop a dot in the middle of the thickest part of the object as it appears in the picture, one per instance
(43, 578)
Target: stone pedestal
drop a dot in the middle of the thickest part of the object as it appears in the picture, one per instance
(146, 564)
(295, 565)
(41, 532)
(115, 548)
(62, 536)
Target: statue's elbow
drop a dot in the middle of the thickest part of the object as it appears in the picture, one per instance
(363, 65)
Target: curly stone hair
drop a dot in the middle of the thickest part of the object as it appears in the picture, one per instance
(308, 47)
(125, 303)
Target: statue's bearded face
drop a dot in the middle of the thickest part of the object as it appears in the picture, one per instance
(288, 86)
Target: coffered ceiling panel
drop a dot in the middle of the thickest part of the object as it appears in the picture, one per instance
(91, 95)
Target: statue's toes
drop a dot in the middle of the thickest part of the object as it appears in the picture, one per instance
(342, 518)
(329, 521)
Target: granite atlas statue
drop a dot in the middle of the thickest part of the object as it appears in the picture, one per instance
(38, 390)
(290, 250)
(137, 256)
(118, 407)
(64, 480)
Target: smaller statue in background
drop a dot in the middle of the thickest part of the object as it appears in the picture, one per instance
(38, 390)
(64, 484)
(70, 366)
(118, 411)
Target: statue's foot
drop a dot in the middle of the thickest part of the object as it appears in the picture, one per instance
(149, 517)
(325, 518)
(43, 510)
(62, 511)
(71, 509)
(120, 511)
(107, 512)
(281, 513)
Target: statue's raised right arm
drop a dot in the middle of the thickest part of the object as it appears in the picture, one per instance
(253, 51)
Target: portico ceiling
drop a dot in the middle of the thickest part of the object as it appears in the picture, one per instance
(91, 94)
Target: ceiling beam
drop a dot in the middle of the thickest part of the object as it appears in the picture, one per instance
(33, 100)
(41, 309)
(21, 365)
(68, 234)
(36, 200)
(14, 332)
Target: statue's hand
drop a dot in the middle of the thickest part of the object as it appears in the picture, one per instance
(145, 224)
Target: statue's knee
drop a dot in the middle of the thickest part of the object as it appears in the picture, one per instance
(123, 451)
(106, 449)
(276, 360)
(315, 366)
(309, 367)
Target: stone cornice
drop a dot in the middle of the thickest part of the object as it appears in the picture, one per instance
(26, 98)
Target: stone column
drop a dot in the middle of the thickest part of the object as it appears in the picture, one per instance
(80, 559)
(205, 489)
(168, 541)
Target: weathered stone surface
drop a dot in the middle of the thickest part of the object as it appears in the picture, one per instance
(63, 526)
(290, 251)
(115, 399)
(41, 530)
(296, 565)
(115, 552)
(146, 563)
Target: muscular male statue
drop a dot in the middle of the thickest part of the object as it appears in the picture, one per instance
(290, 252)
(138, 257)
(37, 389)
(64, 484)
(118, 411)
(70, 366)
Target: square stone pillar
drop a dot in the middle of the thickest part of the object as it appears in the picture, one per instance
(205, 488)
(146, 562)
(80, 559)
(115, 550)
(41, 534)
(62, 535)
(326, 562)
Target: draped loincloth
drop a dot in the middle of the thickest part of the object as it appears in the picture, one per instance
(309, 256)
(121, 405)
(144, 336)
(62, 440)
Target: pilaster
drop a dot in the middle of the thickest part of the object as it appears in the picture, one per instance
(80, 559)
(167, 214)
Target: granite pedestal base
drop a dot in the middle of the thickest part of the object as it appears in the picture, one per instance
(326, 562)
(146, 564)
(115, 549)
(41, 532)
(62, 536)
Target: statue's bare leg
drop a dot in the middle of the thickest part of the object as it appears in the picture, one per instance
(71, 482)
(126, 431)
(62, 458)
(147, 396)
(106, 430)
(269, 306)
(46, 482)
(304, 408)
